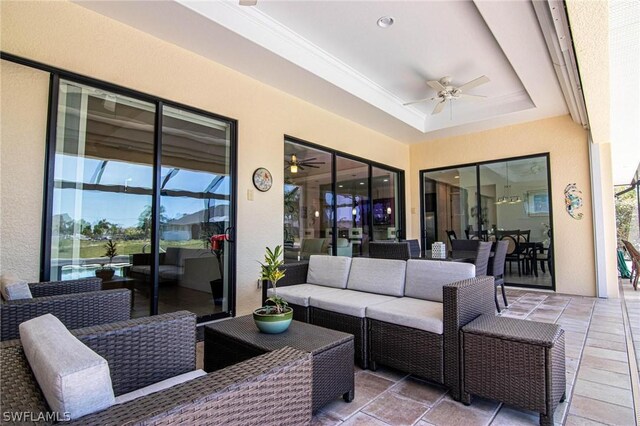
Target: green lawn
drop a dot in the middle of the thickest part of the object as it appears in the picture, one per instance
(92, 249)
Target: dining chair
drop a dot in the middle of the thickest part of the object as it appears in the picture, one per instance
(497, 270)
(451, 235)
(414, 248)
(465, 245)
(514, 251)
(389, 250)
(635, 263)
(482, 258)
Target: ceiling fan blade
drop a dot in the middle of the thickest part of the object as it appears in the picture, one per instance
(248, 2)
(466, 95)
(307, 160)
(436, 85)
(439, 107)
(312, 166)
(474, 83)
(418, 101)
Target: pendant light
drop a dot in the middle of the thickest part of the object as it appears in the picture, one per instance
(507, 198)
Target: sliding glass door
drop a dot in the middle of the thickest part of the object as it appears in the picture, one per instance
(137, 204)
(502, 200)
(336, 204)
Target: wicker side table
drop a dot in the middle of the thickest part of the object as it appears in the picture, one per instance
(517, 362)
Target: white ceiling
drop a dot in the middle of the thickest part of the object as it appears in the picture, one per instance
(332, 54)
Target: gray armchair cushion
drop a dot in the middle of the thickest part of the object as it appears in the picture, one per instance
(74, 379)
(347, 302)
(408, 312)
(172, 256)
(330, 271)
(160, 386)
(13, 288)
(299, 294)
(381, 276)
(425, 278)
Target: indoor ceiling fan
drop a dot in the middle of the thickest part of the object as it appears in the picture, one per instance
(448, 92)
(293, 164)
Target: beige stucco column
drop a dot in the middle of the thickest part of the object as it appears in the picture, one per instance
(590, 31)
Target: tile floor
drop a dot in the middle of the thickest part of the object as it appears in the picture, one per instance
(599, 380)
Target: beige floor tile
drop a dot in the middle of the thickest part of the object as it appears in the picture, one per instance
(509, 416)
(606, 344)
(419, 391)
(606, 336)
(342, 410)
(606, 353)
(362, 419)
(606, 329)
(605, 364)
(601, 411)
(324, 419)
(603, 392)
(395, 410)
(451, 413)
(580, 421)
(605, 377)
(371, 383)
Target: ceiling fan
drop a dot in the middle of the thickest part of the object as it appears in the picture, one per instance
(293, 164)
(448, 92)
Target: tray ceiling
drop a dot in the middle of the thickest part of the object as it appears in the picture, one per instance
(332, 54)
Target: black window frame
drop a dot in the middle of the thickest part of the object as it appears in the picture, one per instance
(477, 165)
(400, 233)
(50, 145)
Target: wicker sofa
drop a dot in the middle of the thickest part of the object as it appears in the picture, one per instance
(403, 314)
(147, 350)
(77, 303)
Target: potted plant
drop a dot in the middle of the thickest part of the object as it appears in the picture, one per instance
(111, 251)
(276, 315)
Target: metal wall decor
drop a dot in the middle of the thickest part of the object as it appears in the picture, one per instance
(573, 201)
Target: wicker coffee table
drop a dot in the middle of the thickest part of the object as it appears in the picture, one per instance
(235, 340)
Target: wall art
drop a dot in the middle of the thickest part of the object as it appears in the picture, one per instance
(573, 201)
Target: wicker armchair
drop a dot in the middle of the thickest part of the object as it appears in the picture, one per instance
(77, 303)
(147, 350)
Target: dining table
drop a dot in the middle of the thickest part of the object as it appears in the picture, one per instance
(456, 256)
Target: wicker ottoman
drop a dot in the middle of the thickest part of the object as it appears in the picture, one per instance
(517, 362)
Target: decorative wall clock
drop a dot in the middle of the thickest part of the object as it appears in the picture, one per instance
(262, 179)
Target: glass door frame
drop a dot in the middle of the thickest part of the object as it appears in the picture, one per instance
(334, 178)
(56, 75)
(477, 165)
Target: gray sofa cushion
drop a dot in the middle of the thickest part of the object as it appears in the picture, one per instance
(13, 288)
(381, 276)
(408, 312)
(159, 386)
(75, 380)
(330, 271)
(299, 294)
(425, 278)
(172, 256)
(347, 302)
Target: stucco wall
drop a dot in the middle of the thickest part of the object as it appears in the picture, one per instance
(567, 144)
(23, 120)
(68, 36)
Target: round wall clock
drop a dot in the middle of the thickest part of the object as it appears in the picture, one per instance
(262, 179)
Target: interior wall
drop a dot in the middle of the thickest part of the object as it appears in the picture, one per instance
(70, 37)
(567, 144)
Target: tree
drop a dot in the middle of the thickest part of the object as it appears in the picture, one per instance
(101, 227)
(627, 217)
(144, 220)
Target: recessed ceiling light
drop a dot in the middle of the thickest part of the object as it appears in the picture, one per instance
(385, 180)
(456, 177)
(340, 186)
(361, 183)
(385, 22)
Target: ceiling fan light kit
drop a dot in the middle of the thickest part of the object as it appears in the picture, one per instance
(448, 92)
(294, 164)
